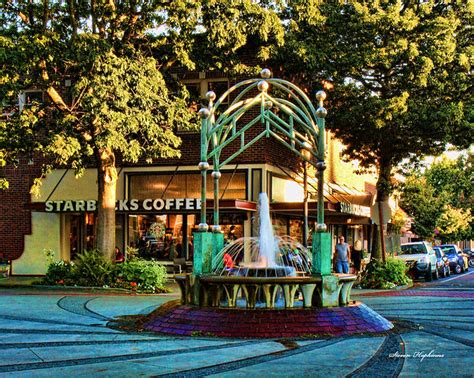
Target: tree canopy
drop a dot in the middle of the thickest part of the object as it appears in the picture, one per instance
(400, 75)
(104, 68)
(441, 200)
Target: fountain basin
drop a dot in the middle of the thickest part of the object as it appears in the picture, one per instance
(223, 291)
(276, 271)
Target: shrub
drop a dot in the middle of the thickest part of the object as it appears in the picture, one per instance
(378, 275)
(93, 269)
(142, 275)
(59, 273)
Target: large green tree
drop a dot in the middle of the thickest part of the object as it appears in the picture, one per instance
(441, 200)
(104, 66)
(401, 73)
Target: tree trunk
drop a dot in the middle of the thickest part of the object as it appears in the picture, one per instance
(384, 188)
(107, 181)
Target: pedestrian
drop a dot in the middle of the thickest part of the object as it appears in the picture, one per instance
(342, 255)
(356, 255)
(119, 257)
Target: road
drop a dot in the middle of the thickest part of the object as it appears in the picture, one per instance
(54, 334)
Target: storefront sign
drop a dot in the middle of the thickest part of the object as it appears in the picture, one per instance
(352, 209)
(126, 205)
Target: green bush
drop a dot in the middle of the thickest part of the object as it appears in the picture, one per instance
(91, 268)
(59, 273)
(378, 275)
(142, 275)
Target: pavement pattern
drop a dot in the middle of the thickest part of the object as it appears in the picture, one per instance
(66, 334)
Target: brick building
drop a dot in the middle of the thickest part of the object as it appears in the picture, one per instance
(158, 207)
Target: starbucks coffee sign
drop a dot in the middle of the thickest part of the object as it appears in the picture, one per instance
(169, 204)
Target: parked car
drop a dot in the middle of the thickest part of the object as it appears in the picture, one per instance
(421, 258)
(442, 263)
(470, 253)
(458, 261)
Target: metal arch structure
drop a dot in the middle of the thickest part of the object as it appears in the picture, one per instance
(289, 117)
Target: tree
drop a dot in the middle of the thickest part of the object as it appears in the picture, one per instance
(401, 73)
(441, 200)
(418, 199)
(122, 103)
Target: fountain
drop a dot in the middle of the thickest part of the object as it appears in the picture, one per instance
(234, 289)
(264, 256)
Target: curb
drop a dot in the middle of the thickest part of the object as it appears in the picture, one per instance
(356, 291)
(59, 288)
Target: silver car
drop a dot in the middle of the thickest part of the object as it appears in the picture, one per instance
(421, 258)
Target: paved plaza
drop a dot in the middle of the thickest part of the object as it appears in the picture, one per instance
(67, 334)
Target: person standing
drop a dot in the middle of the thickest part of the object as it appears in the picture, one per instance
(356, 255)
(343, 255)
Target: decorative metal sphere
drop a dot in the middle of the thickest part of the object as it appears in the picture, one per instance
(211, 95)
(321, 112)
(203, 166)
(216, 228)
(204, 113)
(307, 146)
(320, 95)
(216, 174)
(320, 165)
(268, 105)
(262, 86)
(321, 227)
(265, 73)
(203, 227)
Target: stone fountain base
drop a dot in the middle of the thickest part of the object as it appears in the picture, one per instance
(188, 320)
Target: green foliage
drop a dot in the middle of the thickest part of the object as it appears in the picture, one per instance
(92, 269)
(131, 253)
(420, 202)
(121, 98)
(400, 72)
(142, 275)
(59, 273)
(378, 275)
(440, 200)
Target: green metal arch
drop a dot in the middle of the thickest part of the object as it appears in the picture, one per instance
(289, 118)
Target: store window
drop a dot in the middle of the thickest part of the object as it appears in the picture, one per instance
(186, 185)
(157, 237)
(285, 190)
(197, 92)
(170, 236)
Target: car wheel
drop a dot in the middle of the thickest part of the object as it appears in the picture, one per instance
(436, 274)
(428, 275)
(471, 262)
(457, 269)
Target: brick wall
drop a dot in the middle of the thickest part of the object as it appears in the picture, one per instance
(15, 218)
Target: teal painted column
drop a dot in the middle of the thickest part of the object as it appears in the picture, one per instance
(322, 251)
(218, 240)
(203, 252)
(206, 246)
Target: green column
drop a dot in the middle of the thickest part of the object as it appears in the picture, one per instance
(321, 253)
(203, 251)
(218, 240)
(206, 246)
